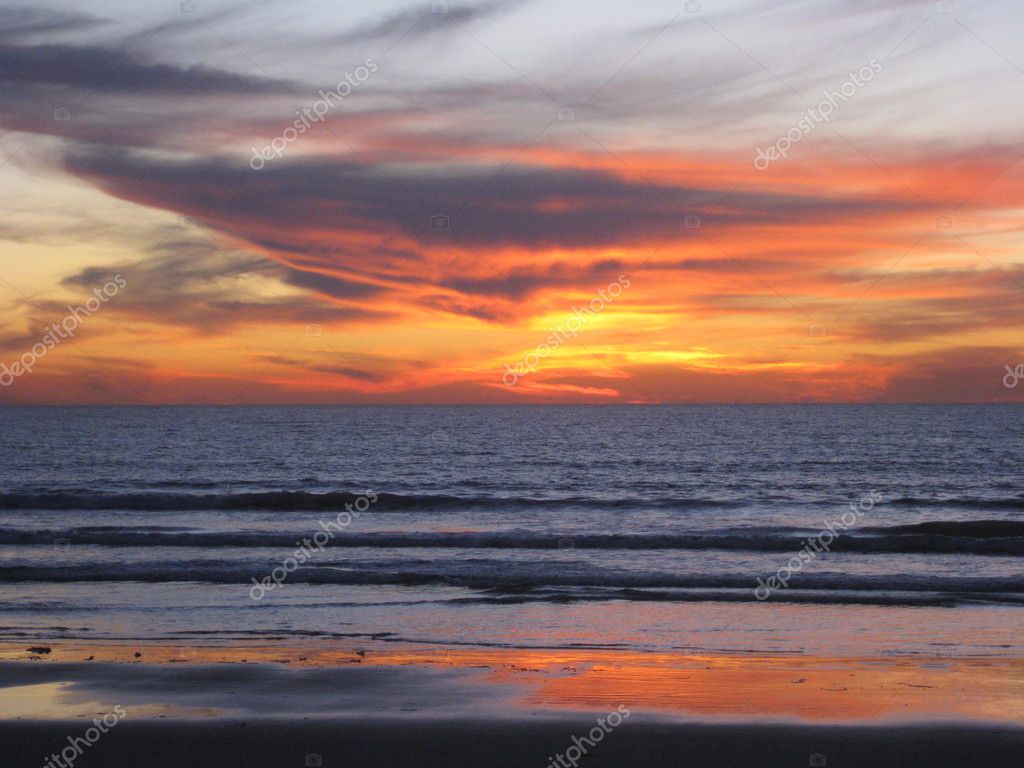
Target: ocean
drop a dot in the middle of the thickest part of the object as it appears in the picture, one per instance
(832, 529)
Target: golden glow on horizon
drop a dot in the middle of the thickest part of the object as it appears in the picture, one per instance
(832, 307)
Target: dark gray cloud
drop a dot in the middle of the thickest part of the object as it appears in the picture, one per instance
(349, 372)
(519, 283)
(23, 21)
(177, 266)
(189, 282)
(422, 19)
(522, 206)
(329, 285)
(351, 366)
(112, 70)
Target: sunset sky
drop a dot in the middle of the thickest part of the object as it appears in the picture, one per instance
(480, 171)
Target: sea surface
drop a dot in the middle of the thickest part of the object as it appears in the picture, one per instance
(644, 528)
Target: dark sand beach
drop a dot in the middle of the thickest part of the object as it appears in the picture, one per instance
(515, 743)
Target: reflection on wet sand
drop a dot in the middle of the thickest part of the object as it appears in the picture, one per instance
(716, 687)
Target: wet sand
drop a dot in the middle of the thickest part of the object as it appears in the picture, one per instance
(712, 687)
(274, 704)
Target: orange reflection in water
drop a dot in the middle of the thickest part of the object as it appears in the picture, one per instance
(748, 686)
(716, 687)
